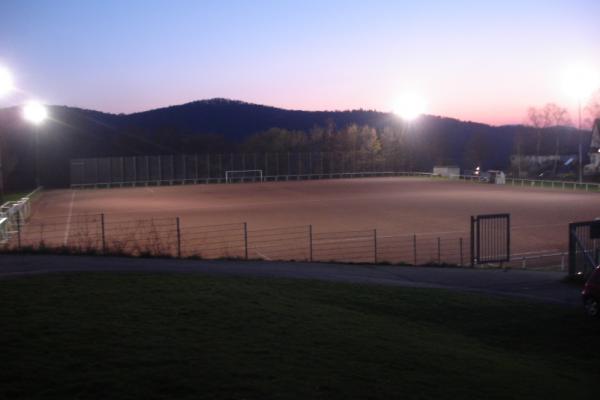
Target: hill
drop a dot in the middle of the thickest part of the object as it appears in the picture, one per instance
(220, 125)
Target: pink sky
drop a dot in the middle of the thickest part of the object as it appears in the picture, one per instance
(483, 61)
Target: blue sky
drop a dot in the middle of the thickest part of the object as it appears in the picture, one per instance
(477, 60)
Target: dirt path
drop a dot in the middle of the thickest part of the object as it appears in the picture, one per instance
(535, 285)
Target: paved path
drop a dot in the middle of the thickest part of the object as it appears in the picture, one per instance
(541, 286)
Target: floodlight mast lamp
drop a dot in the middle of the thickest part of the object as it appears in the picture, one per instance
(6, 82)
(409, 107)
(35, 113)
(580, 82)
(6, 86)
(580, 145)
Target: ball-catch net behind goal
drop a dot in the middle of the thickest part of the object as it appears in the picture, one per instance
(250, 175)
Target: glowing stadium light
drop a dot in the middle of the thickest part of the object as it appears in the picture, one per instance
(35, 112)
(580, 81)
(6, 82)
(410, 106)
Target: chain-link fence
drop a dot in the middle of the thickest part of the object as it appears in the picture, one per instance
(206, 168)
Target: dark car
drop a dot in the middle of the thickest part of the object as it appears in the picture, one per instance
(591, 294)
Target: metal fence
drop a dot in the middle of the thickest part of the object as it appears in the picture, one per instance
(584, 247)
(212, 168)
(172, 237)
(537, 183)
(15, 213)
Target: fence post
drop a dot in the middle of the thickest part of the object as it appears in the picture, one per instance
(415, 248)
(266, 164)
(147, 169)
(310, 243)
(173, 177)
(122, 170)
(246, 240)
(321, 171)
(103, 233)
(439, 251)
(178, 238)
(160, 174)
(207, 167)
(460, 245)
(18, 231)
(473, 221)
(572, 250)
(375, 245)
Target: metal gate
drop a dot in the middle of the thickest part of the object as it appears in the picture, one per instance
(584, 247)
(490, 239)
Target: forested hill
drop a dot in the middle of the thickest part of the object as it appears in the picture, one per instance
(219, 125)
(237, 120)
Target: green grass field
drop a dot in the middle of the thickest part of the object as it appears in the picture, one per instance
(163, 336)
(15, 196)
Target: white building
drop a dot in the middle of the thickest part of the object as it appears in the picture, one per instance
(450, 171)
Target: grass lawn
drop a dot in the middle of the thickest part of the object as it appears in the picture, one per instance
(168, 336)
(15, 196)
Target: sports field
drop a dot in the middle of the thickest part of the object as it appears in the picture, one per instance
(396, 207)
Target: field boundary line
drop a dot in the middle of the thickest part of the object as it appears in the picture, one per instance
(262, 255)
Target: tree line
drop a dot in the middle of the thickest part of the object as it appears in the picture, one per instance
(419, 145)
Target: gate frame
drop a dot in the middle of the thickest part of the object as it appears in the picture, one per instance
(573, 239)
(476, 238)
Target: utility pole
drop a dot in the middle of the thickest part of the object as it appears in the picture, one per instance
(1, 177)
(580, 145)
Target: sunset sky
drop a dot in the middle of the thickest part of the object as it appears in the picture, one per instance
(474, 60)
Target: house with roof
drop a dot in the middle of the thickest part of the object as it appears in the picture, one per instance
(593, 168)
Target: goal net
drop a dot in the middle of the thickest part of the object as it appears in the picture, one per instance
(249, 175)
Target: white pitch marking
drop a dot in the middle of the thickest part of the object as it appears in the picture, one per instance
(539, 253)
(262, 255)
(68, 228)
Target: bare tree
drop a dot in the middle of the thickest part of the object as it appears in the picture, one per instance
(537, 120)
(555, 115)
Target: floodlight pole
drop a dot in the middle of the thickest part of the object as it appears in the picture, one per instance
(580, 144)
(36, 138)
(1, 178)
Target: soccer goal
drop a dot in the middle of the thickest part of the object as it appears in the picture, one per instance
(250, 175)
